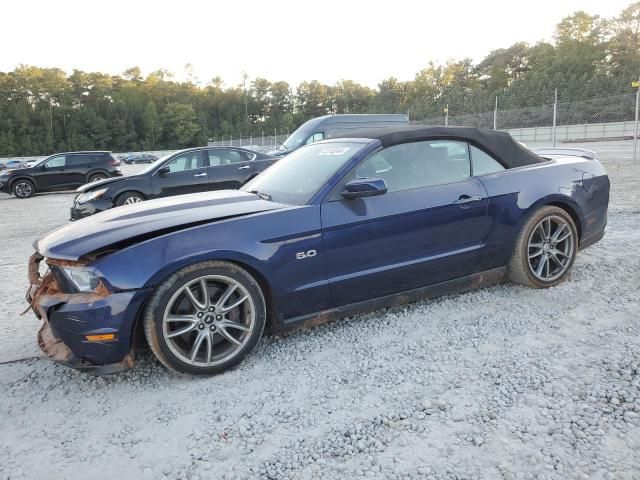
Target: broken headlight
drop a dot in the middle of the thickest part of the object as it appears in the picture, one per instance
(83, 279)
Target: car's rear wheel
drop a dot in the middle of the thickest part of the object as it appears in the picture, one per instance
(129, 198)
(205, 318)
(545, 249)
(24, 188)
(96, 177)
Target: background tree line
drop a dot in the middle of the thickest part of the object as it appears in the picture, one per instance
(43, 110)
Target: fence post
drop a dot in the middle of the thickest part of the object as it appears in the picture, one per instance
(555, 114)
(495, 115)
(635, 128)
(262, 133)
(446, 115)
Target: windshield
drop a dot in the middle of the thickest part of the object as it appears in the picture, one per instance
(295, 140)
(152, 166)
(41, 161)
(300, 136)
(297, 177)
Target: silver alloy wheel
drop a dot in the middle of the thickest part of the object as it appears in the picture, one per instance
(96, 178)
(131, 200)
(209, 320)
(23, 189)
(550, 249)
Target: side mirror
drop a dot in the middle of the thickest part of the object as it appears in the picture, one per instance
(364, 187)
(44, 166)
(163, 171)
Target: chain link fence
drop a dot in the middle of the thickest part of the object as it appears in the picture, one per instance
(261, 143)
(554, 117)
(575, 119)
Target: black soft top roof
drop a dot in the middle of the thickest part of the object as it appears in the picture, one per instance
(499, 144)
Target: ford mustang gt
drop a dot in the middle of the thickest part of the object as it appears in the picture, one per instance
(337, 227)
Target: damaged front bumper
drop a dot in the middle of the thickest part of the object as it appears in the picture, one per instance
(92, 332)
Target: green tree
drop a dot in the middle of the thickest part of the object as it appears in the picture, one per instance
(151, 125)
(180, 125)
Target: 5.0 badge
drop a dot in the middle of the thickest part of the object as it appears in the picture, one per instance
(307, 254)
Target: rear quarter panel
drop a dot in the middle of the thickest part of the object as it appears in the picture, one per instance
(577, 184)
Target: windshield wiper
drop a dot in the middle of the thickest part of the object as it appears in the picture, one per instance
(263, 196)
(280, 144)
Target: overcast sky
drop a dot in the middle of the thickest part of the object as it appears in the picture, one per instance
(326, 40)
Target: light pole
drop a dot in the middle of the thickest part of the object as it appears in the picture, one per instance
(635, 127)
(244, 88)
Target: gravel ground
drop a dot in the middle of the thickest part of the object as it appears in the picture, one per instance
(505, 382)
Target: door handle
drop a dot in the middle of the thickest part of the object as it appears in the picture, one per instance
(467, 199)
(200, 175)
(246, 167)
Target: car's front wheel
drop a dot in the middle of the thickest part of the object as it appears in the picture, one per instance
(128, 198)
(205, 318)
(545, 249)
(24, 189)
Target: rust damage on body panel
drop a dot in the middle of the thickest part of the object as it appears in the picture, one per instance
(44, 289)
(44, 293)
(52, 346)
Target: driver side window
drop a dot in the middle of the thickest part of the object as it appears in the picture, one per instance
(417, 165)
(186, 161)
(58, 161)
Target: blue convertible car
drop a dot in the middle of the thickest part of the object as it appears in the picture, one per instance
(336, 227)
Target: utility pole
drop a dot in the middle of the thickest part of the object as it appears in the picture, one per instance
(555, 114)
(446, 115)
(635, 128)
(244, 88)
(495, 115)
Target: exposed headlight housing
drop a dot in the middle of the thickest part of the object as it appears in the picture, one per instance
(83, 279)
(92, 195)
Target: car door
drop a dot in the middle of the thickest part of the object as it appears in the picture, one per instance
(53, 174)
(428, 227)
(229, 168)
(77, 166)
(184, 173)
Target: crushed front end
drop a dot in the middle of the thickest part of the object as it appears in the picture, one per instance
(87, 324)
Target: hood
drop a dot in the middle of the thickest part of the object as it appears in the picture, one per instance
(90, 186)
(138, 222)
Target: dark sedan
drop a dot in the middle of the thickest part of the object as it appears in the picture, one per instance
(334, 228)
(186, 171)
(140, 158)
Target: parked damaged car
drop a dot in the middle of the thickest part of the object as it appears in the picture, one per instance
(187, 171)
(336, 227)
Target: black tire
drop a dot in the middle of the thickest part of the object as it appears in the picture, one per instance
(94, 177)
(520, 268)
(169, 290)
(128, 198)
(23, 188)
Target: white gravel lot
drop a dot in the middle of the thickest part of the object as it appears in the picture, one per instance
(505, 382)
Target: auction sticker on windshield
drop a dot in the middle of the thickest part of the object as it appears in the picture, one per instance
(337, 151)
